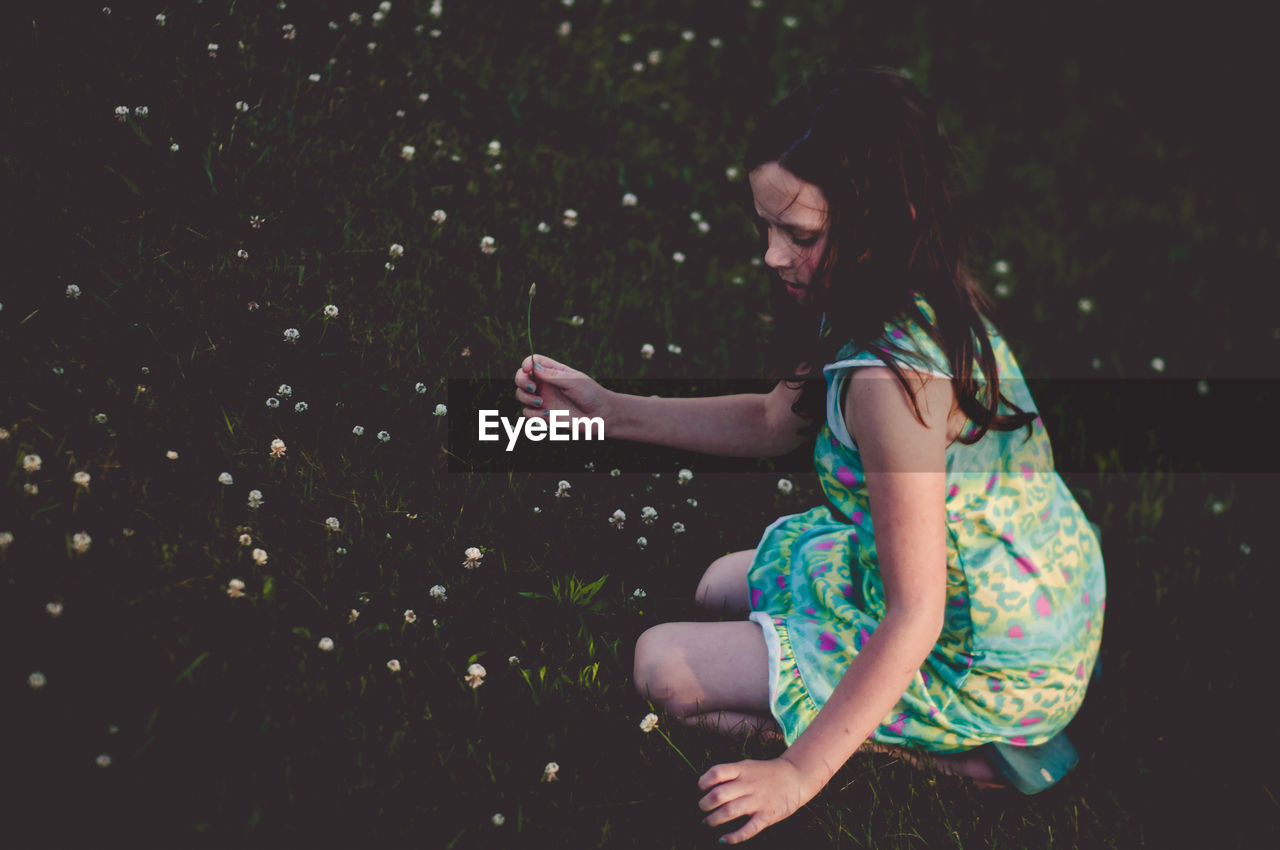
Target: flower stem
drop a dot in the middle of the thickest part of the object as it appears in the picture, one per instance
(677, 749)
(533, 288)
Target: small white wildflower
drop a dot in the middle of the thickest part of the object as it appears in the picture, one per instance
(103, 760)
(30, 489)
(242, 106)
(673, 348)
(355, 18)
(649, 723)
(291, 335)
(440, 410)
(333, 524)
(122, 112)
(537, 510)
(407, 152)
(31, 463)
(53, 609)
(549, 772)
(4, 434)
(273, 402)
(1096, 363)
(371, 46)
(646, 351)
(36, 680)
(618, 518)
(277, 448)
(242, 254)
(562, 490)
(715, 41)
(790, 21)
(677, 528)
(81, 479)
(6, 540)
(326, 644)
(300, 407)
(1002, 289)
(1217, 507)
(1085, 305)
(732, 172)
(358, 430)
(141, 111)
(570, 218)
(352, 616)
(473, 558)
(684, 476)
(498, 818)
(577, 321)
(80, 542)
(245, 540)
(439, 216)
(225, 478)
(396, 250)
(160, 19)
(639, 593)
(514, 661)
(384, 6)
(409, 616)
(615, 472)
(1000, 267)
(259, 556)
(648, 515)
(331, 311)
(235, 588)
(73, 291)
(1157, 364)
(255, 498)
(1202, 387)
(637, 67)
(384, 437)
(642, 542)
(315, 78)
(488, 244)
(543, 227)
(691, 502)
(475, 676)
(785, 486)
(423, 97)
(704, 227)
(655, 57)
(629, 200)
(438, 593)
(1246, 549)
(394, 665)
(495, 148)
(678, 257)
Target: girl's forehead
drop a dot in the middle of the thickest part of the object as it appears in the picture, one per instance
(782, 195)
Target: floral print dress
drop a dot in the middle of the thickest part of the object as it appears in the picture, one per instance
(1025, 583)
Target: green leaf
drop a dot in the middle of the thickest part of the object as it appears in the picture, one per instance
(186, 674)
(269, 589)
(302, 632)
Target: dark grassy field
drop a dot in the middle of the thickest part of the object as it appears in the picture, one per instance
(1111, 156)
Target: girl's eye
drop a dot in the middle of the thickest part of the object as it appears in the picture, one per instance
(805, 243)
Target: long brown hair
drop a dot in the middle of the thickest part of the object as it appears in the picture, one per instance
(869, 140)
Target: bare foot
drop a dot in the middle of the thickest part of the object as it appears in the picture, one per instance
(968, 764)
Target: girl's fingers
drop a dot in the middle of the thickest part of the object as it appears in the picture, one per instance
(727, 812)
(749, 829)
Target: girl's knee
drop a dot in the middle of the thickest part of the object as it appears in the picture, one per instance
(651, 649)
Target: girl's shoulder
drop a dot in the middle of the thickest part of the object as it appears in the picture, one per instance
(904, 339)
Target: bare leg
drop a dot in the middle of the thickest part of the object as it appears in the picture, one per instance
(692, 668)
(724, 584)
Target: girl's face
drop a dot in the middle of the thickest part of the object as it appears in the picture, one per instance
(795, 213)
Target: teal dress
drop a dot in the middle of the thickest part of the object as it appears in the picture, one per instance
(1025, 585)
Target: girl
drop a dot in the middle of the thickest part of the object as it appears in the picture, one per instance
(949, 601)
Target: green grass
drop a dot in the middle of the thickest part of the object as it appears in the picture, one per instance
(223, 720)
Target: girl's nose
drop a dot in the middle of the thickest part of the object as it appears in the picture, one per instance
(775, 256)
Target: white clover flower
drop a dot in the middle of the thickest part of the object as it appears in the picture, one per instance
(642, 542)
(439, 216)
(409, 616)
(81, 479)
(259, 556)
(495, 148)
(273, 402)
(618, 518)
(785, 486)
(1202, 387)
(649, 723)
(30, 489)
(80, 542)
(242, 254)
(629, 200)
(648, 515)
(678, 257)
(6, 540)
(639, 593)
(562, 490)
(488, 244)
(331, 311)
(225, 478)
(437, 8)
(1157, 364)
(173, 147)
(1000, 267)
(160, 19)
(677, 528)
(543, 227)
(655, 57)
(1096, 363)
(255, 498)
(407, 152)
(36, 680)
(1085, 305)
(549, 772)
(691, 502)
(625, 37)
(358, 430)
(333, 524)
(384, 436)
(673, 348)
(1246, 549)
(570, 218)
(646, 351)
(325, 644)
(637, 67)
(352, 616)
(790, 21)
(103, 760)
(53, 609)
(31, 463)
(4, 432)
(1002, 289)
(384, 6)
(396, 250)
(420, 388)
(715, 41)
(277, 448)
(73, 291)
(371, 46)
(235, 588)
(355, 18)
(291, 335)
(514, 661)
(1217, 508)
(141, 111)
(684, 476)
(440, 410)
(288, 32)
(473, 558)
(300, 407)
(688, 35)
(213, 49)
(242, 106)
(315, 78)
(704, 227)
(394, 665)
(121, 113)
(475, 676)
(437, 593)
(498, 818)
(377, 18)
(732, 172)
(615, 472)
(245, 540)
(284, 391)
(537, 510)
(423, 97)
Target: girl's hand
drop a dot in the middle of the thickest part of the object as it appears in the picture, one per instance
(767, 791)
(558, 387)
